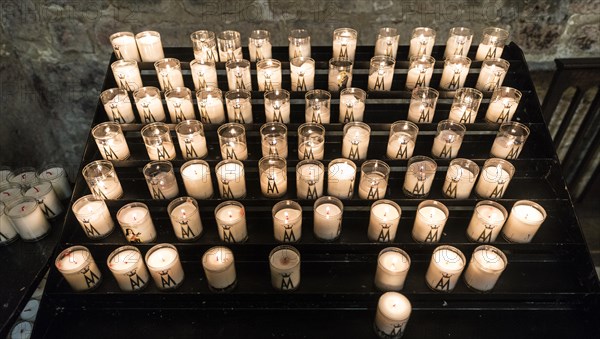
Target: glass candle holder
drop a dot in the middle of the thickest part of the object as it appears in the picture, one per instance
(210, 105)
(57, 175)
(192, 141)
(392, 267)
(102, 180)
(344, 43)
(204, 74)
(79, 269)
(419, 71)
(93, 216)
(448, 139)
(287, 221)
(460, 179)
(419, 176)
(510, 140)
(383, 221)
(23, 176)
(503, 105)
(149, 105)
(456, 69)
(318, 104)
(273, 176)
(268, 74)
(111, 141)
(230, 46)
(495, 177)
(127, 266)
(340, 74)
(10, 191)
(430, 219)
(284, 261)
(421, 42)
(239, 106)
(311, 141)
(165, 267)
(169, 75)
(124, 46)
(157, 138)
(41, 190)
(179, 104)
(232, 141)
(302, 74)
(8, 234)
(259, 45)
(204, 44)
(127, 74)
(185, 218)
(524, 221)
(273, 136)
(136, 223)
(352, 104)
(387, 42)
(423, 101)
(445, 268)
(196, 179)
(465, 105)
(374, 176)
(327, 218)
(340, 178)
(231, 222)
(277, 106)
(492, 74)
(117, 105)
(381, 73)
(238, 74)
(231, 179)
(299, 43)
(393, 312)
(27, 218)
(486, 222)
(459, 42)
(492, 43)
(4, 172)
(310, 176)
(219, 267)
(355, 143)
(401, 143)
(486, 265)
(150, 46)
(161, 180)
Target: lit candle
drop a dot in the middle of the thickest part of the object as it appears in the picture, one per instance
(387, 42)
(8, 234)
(510, 140)
(124, 46)
(327, 218)
(356, 140)
(419, 176)
(448, 139)
(238, 75)
(232, 140)
(239, 106)
(127, 75)
(196, 179)
(422, 104)
(161, 180)
(430, 220)
(10, 191)
(340, 179)
(393, 312)
(136, 223)
(277, 106)
(231, 179)
(102, 180)
(127, 266)
(150, 46)
(486, 265)
(486, 222)
(456, 69)
(231, 222)
(230, 46)
(381, 73)
(310, 176)
(340, 74)
(117, 105)
(41, 190)
(383, 221)
(219, 268)
(93, 216)
(273, 176)
(111, 144)
(157, 138)
(210, 105)
(274, 139)
(165, 267)
(503, 104)
(392, 268)
(401, 142)
(524, 221)
(205, 46)
(259, 45)
(192, 142)
(460, 179)
(299, 43)
(268, 74)
(352, 105)
(373, 180)
(168, 71)
(494, 179)
(465, 105)
(492, 43)
(149, 105)
(459, 41)
(317, 106)
(422, 41)
(59, 179)
(185, 218)
(302, 74)
(287, 221)
(179, 104)
(344, 43)
(446, 266)
(420, 71)
(285, 268)
(492, 74)
(79, 269)
(204, 74)
(28, 219)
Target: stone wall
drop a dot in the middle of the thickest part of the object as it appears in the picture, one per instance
(54, 53)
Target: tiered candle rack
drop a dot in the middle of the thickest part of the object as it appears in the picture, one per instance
(548, 289)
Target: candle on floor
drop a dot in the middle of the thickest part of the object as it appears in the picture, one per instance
(344, 43)
(420, 71)
(231, 222)
(27, 218)
(299, 43)
(317, 109)
(302, 74)
(161, 180)
(340, 74)
(284, 261)
(277, 106)
(8, 234)
(10, 191)
(287, 221)
(459, 42)
(127, 266)
(93, 216)
(486, 265)
(165, 267)
(387, 42)
(110, 141)
(259, 45)
(219, 268)
(456, 69)
(136, 223)
(311, 141)
(238, 74)
(430, 219)
(503, 105)
(210, 105)
(127, 74)
(168, 71)
(79, 269)
(352, 104)
(383, 221)
(180, 104)
(492, 74)
(446, 266)
(273, 137)
(393, 312)
(60, 181)
(41, 190)
(150, 46)
(232, 141)
(23, 176)
(204, 44)
(327, 218)
(421, 42)
(196, 179)
(310, 176)
(356, 140)
(268, 74)
(524, 221)
(192, 141)
(492, 43)
(374, 175)
(239, 106)
(448, 139)
(419, 176)
(340, 178)
(486, 222)
(273, 176)
(230, 46)
(149, 105)
(510, 140)
(231, 179)
(204, 74)
(117, 105)
(124, 46)
(401, 142)
(460, 179)
(494, 179)
(157, 138)
(381, 73)
(465, 105)
(422, 104)
(185, 218)
(102, 180)
(392, 267)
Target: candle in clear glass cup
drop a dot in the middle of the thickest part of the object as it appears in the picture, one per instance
(179, 104)
(383, 221)
(421, 42)
(494, 179)
(41, 190)
(299, 43)
(327, 218)
(157, 138)
(93, 216)
(456, 69)
(8, 234)
(232, 141)
(387, 42)
(273, 137)
(117, 105)
(423, 101)
(344, 43)
(196, 179)
(392, 267)
(465, 105)
(58, 176)
(317, 109)
(231, 179)
(492, 43)
(238, 74)
(448, 139)
(430, 219)
(340, 178)
(230, 217)
(149, 105)
(210, 105)
(111, 141)
(273, 176)
(524, 221)
(302, 74)
(486, 222)
(419, 71)
(102, 180)
(22, 176)
(165, 267)
(284, 262)
(460, 179)
(459, 42)
(4, 172)
(268, 74)
(161, 180)
(127, 74)
(149, 46)
(27, 218)
(287, 221)
(352, 104)
(310, 176)
(492, 74)
(277, 106)
(259, 45)
(445, 268)
(381, 73)
(340, 74)
(192, 141)
(136, 223)
(419, 176)
(510, 140)
(393, 312)
(373, 180)
(230, 46)
(401, 143)
(503, 105)
(10, 191)
(169, 74)
(125, 46)
(239, 106)
(185, 218)
(311, 141)
(79, 269)
(204, 74)
(356, 140)
(127, 266)
(219, 267)
(204, 44)
(486, 265)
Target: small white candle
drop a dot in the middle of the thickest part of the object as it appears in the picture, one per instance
(459, 182)
(310, 176)
(117, 105)
(185, 219)
(393, 312)
(239, 110)
(327, 219)
(111, 144)
(524, 221)
(459, 42)
(352, 108)
(383, 221)
(462, 114)
(400, 146)
(419, 75)
(230, 46)
(486, 222)
(260, 49)
(419, 177)
(340, 179)
(268, 75)
(219, 268)
(180, 108)
(446, 144)
(136, 222)
(372, 186)
(192, 145)
(231, 222)
(162, 185)
(421, 45)
(493, 182)
(125, 46)
(164, 150)
(273, 182)
(238, 75)
(492, 74)
(299, 44)
(485, 268)
(169, 73)
(387, 42)
(234, 150)
(127, 75)
(93, 216)
(231, 179)
(392, 268)
(274, 144)
(150, 46)
(340, 75)
(150, 107)
(287, 225)
(420, 112)
(277, 111)
(455, 73)
(285, 268)
(127, 266)
(8, 233)
(506, 147)
(302, 73)
(430, 220)
(197, 180)
(58, 177)
(165, 267)
(43, 193)
(381, 73)
(22, 176)
(318, 114)
(344, 43)
(445, 268)
(501, 110)
(10, 192)
(356, 141)
(79, 269)
(204, 74)
(313, 149)
(205, 46)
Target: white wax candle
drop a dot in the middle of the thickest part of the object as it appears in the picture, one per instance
(150, 110)
(164, 150)
(285, 269)
(490, 78)
(383, 222)
(186, 222)
(79, 268)
(23, 178)
(109, 188)
(211, 110)
(454, 76)
(340, 180)
(444, 269)
(274, 146)
(355, 143)
(486, 223)
(60, 181)
(112, 148)
(338, 79)
(192, 146)
(483, 271)
(219, 268)
(207, 52)
(419, 112)
(239, 111)
(180, 109)
(125, 48)
(163, 186)
(344, 46)
(319, 115)
(137, 224)
(169, 78)
(493, 182)
(393, 312)
(313, 149)
(392, 268)
(419, 76)
(128, 77)
(269, 79)
(278, 111)
(327, 221)
(372, 187)
(8, 233)
(387, 46)
(506, 147)
(230, 53)
(309, 181)
(489, 51)
(462, 114)
(400, 146)
(239, 78)
(429, 224)
(457, 45)
(231, 224)
(381, 80)
(446, 144)
(351, 109)
(260, 49)
(421, 45)
(419, 178)
(303, 77)
(150, 48)
(234, 150)
(231, 181)
(459, 182)
(197, 181)
(165, 268)
(94, 218)
(273, 182)
(128, 268)
(10, 193)
(299, 50)
(523, 223)
(47, 198)
(119, 109)
(287, 225)
(204, 75)
(501, 110)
